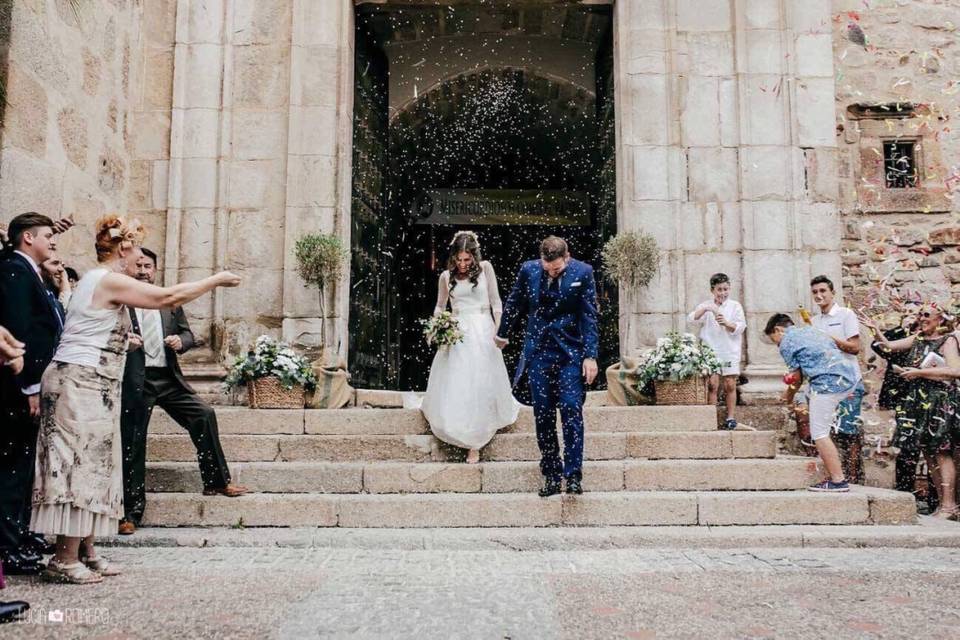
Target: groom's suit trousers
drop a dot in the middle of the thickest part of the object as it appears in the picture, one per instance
(557, 383)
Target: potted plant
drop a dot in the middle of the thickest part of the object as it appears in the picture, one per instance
(321, 258)
(631, 259)
(276, 376)
(678, 367)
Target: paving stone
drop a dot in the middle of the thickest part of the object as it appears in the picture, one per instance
(179, 448)
(892, 507)
(782, 507)
(448, 510)
(712, 475)
(388, 477)
(715, 444)
(625, 508)
(239, 420)
(507, 477)
(365, 422)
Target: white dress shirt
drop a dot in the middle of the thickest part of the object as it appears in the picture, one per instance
(154, 354)
(840, 322)
(727, 344)
(34, 388)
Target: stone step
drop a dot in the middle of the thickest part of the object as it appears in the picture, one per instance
(504, 447)
(490, 477)
(243, 421)
(619, 508)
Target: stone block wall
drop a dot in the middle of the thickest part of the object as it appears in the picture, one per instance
(68, 135)
(720, 107)
(907, 238)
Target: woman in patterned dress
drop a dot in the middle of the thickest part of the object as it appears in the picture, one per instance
(78, 488)
(928, 410)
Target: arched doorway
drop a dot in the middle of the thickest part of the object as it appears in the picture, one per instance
(517, 152)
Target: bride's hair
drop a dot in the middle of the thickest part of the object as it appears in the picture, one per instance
(464, 241)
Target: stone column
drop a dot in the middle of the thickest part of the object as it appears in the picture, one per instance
(194, 180)
(722, 109)
(789, 194)
(650, 164)
(318, 163)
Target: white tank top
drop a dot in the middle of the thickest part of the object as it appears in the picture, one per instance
(86, 331)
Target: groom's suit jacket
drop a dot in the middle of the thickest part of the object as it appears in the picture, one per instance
(567, 321)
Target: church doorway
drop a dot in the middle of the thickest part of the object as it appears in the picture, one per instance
(469, 116)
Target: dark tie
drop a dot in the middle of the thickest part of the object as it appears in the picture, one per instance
(55, 307)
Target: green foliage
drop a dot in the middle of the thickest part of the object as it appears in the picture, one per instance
(271, 358)
(631, 259)
(676, 357)
(442, 330)
(321, 258)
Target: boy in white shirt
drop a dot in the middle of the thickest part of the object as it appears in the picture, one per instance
(722, 326)
(841, 324)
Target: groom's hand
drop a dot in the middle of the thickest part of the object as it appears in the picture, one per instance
(500, 342)
(590, 370)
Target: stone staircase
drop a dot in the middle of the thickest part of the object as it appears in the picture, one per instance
(382, 468)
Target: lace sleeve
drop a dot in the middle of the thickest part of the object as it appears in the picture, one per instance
(443, 292)
(493, 291)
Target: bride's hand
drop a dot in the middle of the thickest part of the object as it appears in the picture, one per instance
(500, 342)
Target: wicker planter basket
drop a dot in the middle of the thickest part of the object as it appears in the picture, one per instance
(688, 391)
(268, 393)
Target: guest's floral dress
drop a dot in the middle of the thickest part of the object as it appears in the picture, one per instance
(78, 488)
(927, 411)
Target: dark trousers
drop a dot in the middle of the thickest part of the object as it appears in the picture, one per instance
(556, 383)
(161, 388)
(18, 453)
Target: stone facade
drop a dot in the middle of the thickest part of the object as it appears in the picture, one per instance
(909, 238)
(227, 126)
(68, 136)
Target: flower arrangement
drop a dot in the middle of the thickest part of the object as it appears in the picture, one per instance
(631, 259)
(442, 330)
(676, 357)
(267, 358)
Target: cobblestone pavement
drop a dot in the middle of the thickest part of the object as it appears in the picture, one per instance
(225, 592)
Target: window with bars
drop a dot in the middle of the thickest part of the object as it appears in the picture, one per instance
(900, 164)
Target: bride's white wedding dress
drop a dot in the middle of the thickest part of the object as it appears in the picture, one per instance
(468, 395)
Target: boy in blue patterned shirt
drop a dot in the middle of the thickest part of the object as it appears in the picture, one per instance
(812, 354)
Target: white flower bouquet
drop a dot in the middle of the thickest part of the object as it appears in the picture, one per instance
(442, 330)
(676, 357)
(271, 358)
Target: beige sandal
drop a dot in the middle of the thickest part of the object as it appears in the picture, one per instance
(102, 566)
(75, 573)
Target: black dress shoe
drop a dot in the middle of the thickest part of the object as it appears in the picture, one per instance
(10, 611)
(550, 488)
(38, 544)
(574, 486)
(19, 563)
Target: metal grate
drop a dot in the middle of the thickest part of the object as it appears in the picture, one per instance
(900, 164)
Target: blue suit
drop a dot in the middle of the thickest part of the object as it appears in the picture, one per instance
(561, 332)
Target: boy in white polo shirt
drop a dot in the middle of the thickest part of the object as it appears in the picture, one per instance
(841, 324)
(722, 326)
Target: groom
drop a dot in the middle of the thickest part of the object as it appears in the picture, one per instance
(559, 297)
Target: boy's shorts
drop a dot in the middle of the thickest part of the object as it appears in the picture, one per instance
(823, 413)
(848, 411)
(730, 371)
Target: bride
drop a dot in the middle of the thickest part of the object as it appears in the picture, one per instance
(468, 395)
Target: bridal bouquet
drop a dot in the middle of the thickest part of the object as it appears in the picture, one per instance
(442, 330)
(676, 357)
